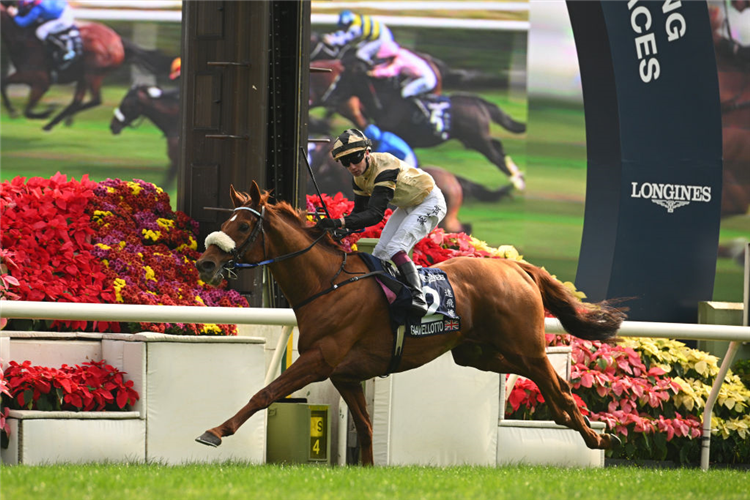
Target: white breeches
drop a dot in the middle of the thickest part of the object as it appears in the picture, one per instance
(407, 226)
(64, 22)
(421, 85)
(367, 51)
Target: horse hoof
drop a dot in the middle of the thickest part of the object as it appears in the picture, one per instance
(209, 439)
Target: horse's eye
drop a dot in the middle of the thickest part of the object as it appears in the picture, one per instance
(244, 226)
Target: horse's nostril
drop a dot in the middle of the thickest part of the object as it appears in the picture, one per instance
(205, 266)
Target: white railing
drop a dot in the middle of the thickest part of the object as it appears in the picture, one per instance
(285, 317)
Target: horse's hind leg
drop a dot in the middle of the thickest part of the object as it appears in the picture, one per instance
(486, 358)
(556, 390)
(355, 399)
(310, 367)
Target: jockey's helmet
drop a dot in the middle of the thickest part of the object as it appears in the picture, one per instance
(351, 141)
(346, 18)
(175, 70)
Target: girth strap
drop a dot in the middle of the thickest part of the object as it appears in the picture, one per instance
(335, 287)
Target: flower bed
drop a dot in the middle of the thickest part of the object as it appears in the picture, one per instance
(110, 242)
(651, 393)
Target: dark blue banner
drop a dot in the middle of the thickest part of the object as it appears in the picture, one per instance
(653, 133)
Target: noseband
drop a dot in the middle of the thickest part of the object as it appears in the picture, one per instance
(219, 238)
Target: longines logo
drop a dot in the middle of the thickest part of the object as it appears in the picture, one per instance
(670, 196)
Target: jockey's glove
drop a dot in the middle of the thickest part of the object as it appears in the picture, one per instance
(328, 224)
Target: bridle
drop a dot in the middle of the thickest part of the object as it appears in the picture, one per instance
(232, 265)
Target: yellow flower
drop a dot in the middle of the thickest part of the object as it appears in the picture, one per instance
(165, 223)
(103, 246)
(211, 328)
(199, 299)
(118, 285)
(148, 234)
(134, 187)
(150, 274)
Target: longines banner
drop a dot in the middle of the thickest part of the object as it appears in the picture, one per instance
(653, 134)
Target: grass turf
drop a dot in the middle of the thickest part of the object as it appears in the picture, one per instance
(300, 482)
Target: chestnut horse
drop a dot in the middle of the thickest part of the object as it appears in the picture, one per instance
(163, 109)
(103, 51)
(345, 335)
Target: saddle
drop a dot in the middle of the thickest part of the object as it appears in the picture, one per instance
(440, 318)
(60, 45)
(432, 113)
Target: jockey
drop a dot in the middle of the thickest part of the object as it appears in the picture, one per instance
(723, 38)
(380, 179)
(175, 69)
(387, 142)
(363, 32)
(55, 17)
(419, 76)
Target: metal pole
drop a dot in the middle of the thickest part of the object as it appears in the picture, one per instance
(277, 354)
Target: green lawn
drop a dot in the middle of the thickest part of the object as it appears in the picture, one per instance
(297, 482)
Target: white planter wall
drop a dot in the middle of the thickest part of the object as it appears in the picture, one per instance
(187, 384)
(45, 437)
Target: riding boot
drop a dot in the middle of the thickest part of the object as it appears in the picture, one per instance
(409, 272)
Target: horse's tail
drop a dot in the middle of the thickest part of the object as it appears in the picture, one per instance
(586, 321)
(503, 119)
(153, 61)
(479, 192)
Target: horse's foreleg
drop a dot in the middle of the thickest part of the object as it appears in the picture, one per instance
(355, 399)
(77, 105)
(310, 367)
(13, 112)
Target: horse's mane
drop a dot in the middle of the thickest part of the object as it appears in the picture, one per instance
(286, 211)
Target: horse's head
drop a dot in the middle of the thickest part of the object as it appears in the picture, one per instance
(131, 106)
(241, 238)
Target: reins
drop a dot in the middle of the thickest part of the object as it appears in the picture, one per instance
(237, 254)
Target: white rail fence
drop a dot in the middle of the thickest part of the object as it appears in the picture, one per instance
(285, 317)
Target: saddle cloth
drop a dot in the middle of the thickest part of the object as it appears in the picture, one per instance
(438, 110)
(441, 316)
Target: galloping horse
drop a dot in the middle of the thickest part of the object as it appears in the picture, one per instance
(103, 51)
(381, 103)
(332, 178)
(345, 335)
(163, 109)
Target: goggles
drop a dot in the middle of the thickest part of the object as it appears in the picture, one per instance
(352, 158)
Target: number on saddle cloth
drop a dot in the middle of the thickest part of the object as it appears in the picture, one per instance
(432, 113)
(65, 48)
(441, 315)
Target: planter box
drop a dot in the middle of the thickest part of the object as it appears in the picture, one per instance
(45, 437)
(545, 443)
(187, 384)
(438, 414)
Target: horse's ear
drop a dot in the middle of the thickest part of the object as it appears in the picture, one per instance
(238, 199)
(255, 193)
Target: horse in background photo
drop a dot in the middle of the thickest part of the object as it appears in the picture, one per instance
(466, 117)
(163, 109)
(103, 51)
(345, 332)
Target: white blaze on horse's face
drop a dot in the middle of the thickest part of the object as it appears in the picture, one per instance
(221, 240)
(118, 114)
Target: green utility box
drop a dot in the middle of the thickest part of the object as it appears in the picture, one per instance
(298, 432)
